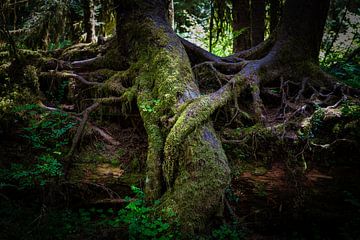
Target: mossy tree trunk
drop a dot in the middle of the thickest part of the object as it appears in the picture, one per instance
(89, 20)
(186, 165)
(241, 24)
(187, 168)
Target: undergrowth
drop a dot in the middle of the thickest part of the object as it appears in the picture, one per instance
(47, 134)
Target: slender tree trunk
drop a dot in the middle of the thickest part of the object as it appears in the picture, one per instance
(257, 21)
(275, 10)
(89, 20)
(211, 27)
(241, 24)
(190, 159)
(171, 13)
(15, 15)
(337, 31)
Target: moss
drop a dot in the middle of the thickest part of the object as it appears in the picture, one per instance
(114, 83)
(165, 97)
(158, 90)
(31, 78)
(101, 74)
(203, 176)
(29, 54)
(111, 60)
(259, 171)
(132, 179)
(79, 52)
(4, 70)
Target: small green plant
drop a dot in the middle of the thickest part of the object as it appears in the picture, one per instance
(351, 110)
(142, 220)
(40, 173)
(311, 129)
(317, 119)
(59, 45)
(150, 105)
(47, 134)
(228, 232)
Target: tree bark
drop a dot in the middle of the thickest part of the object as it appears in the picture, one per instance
(186, 165)
(302, 29)
(89, 20)
(171, 13)
(275, 11)
(241, 24)
(257, 21)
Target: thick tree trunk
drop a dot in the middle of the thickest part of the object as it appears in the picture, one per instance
(241, 24)
(257, 21)
(302, 28)
(189, 158)
(89, 20)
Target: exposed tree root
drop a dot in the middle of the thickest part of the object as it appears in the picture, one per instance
(183, 146)
(83, 64)
(69, 75)
(80, 130)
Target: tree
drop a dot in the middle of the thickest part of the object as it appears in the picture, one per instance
(241, 24)
(274, 12)
(257, 21)
(183, 147)
(153, 68)
(89, 20)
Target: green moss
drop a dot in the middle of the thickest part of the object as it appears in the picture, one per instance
(158, 90)
(79, 52)
(29, 54)
(31, 78)
(259, 171)
(172, 118)
(3, 70)
(102, 73)
(203, 176)
(111, 60)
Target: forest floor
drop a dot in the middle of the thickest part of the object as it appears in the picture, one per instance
(268, 199)
(281, 188)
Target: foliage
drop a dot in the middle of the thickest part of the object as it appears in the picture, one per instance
(223, 46)
(351, 110)
(61, 44)
(347, 71)
(193, 23)
(150, 106)
(228, 232)
(191, 13)
(341, 41)
(143, 221)
(46, 129)
(47, 133)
